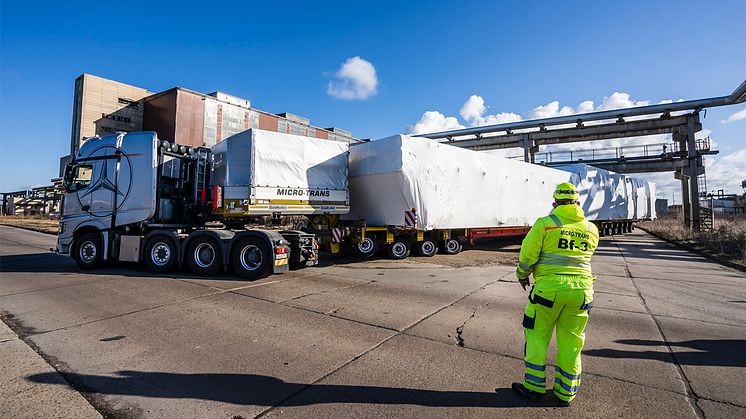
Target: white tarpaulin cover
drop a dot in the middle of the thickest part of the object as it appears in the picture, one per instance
(267, 165)
(449, 187)
(606, 195)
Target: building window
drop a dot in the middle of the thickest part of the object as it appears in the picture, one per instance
(129, 102)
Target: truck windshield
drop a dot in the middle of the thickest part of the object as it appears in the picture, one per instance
(78, 177)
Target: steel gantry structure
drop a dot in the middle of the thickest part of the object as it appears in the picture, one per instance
(681, 119)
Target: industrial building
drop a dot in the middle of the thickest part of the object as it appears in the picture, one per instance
(180, 115)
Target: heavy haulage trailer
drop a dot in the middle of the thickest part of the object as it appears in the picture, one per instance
(409, 193)
(132, 197)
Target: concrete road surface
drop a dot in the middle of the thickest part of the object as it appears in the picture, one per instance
(667, 338)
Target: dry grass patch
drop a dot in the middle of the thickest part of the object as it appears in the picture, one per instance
(40, 224)
(727, 240)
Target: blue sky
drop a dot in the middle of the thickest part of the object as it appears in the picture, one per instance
(427, 56)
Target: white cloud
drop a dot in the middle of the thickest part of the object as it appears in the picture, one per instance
(433, 121)
(726, 172)
(473, 112)
(738, 116)
(356, 79)
(619, 100)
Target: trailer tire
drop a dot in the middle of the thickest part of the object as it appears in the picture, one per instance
(366, 248)
(204, 256)
(251, 258)
(427, 248)
(88, 252)
(161, 254)
(452, 247)
(399, 249)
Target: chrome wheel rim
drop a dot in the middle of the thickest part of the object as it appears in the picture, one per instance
(365, 245)
(398, 249)
(160, 254)
(87, 251)
(428, 247)
(251, 257)
(204, 255)
(452, 245)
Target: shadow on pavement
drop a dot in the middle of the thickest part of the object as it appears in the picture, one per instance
(711, 353)
(260, 390)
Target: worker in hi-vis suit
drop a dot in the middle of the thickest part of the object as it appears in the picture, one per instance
(557, 251)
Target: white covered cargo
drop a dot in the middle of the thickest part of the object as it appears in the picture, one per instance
(447, 187)
(262, 173)
(609, 196)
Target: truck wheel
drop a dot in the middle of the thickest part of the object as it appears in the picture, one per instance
(251, 258)
(399, 249)
(204, 256)
(160, 254)
(366, 248)
(452, 247)
(426, 248)
(88, 252)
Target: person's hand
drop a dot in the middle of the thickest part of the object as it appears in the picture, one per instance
(524, 282)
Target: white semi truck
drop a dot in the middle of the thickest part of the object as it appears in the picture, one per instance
(132, 197)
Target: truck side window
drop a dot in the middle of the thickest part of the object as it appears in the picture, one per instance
(78, 177)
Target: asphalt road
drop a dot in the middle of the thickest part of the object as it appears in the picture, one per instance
(667, 338)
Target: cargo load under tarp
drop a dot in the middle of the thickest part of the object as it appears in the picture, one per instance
(607, 196)
(447, 187)
(263, 172)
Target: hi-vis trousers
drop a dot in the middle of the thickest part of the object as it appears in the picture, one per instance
(556, 302)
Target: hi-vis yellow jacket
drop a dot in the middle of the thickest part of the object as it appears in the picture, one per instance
(559, 244)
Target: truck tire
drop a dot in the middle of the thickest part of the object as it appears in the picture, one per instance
(452, 246)
(89, 251)
(366, 248)
(426, 248)
(204, 256)
(251, 258)
(160, 254)
(399, 249)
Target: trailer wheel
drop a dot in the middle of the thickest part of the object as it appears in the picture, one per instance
(204, 256)
(426, 248)
(452, 247)
(366, 248)
(88, 251)
(160, 254)
(399, 249)
(251, 258)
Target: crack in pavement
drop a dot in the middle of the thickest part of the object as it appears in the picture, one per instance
(377, 345)
(692, 396)
(460, 330)
(326, 291)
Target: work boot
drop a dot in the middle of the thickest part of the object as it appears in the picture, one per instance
(563, 403)
(524, 392)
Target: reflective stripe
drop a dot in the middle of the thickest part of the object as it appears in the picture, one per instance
(524, 266)
(563, 257)
(556, 220)
(535, 366)
(567, 374)
(564, 263)
(567, 387)
(535, 379)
